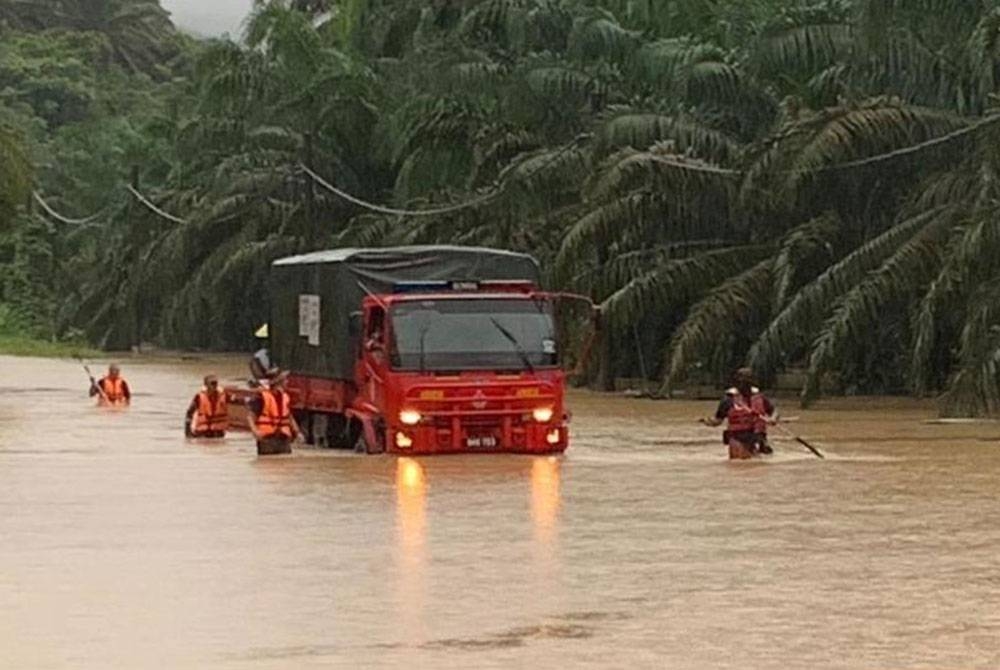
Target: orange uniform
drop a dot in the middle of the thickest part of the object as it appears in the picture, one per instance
(211, 415)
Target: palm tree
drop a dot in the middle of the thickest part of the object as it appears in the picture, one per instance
(28, 14)
(139, 33)
(261, 110)
(789, 184)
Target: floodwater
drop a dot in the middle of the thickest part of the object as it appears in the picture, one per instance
(124, 546)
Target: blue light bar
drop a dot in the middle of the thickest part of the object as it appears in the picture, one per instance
(463, 286)
(420, 286)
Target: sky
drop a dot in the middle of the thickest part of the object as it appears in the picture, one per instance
(209, 17)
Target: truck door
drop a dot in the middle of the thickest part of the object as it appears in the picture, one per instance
(375, 354)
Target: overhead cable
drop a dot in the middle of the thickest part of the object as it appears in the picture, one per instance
(905, 151)
(156, 210)
(861, 162)
(391, 210)
(475, 202)
(694, 167)
(59, 217)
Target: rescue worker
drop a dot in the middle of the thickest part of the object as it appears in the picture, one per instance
(271, 420)
(375, 342)
(112, 388)
(260, 363)
(207, 415)
(748, 412)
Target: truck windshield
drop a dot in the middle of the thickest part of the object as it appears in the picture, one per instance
(464, 334)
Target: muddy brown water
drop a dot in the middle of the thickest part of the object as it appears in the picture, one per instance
(124, 546)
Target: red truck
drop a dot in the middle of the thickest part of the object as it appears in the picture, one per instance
(420, 350)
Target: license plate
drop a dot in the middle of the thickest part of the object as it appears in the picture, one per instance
(481, 442)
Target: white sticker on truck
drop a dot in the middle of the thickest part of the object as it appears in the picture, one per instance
(309, 317)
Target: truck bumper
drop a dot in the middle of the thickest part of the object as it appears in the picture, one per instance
(460, 439)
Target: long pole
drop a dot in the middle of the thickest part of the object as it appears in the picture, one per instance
(800, 440)
(93, 382)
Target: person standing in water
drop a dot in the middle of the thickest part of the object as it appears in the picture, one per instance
(271, 419)
(207, 415)
(748, 412)
(112, 388)
(261, 368)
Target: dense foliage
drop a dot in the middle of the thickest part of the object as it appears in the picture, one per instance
(788, 183)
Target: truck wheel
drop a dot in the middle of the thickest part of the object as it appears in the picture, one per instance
(304, 419)
(320, 429)
(364, 447)
(340, 432)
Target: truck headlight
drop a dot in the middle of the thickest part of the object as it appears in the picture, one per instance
(542, 414)
(409, 417)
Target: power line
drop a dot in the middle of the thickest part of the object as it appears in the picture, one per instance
(156, 210)
(861, 162)
(905, 151)
(672, 162)
(59, 217)
(695, 167)
(393, 211)
(381, 209)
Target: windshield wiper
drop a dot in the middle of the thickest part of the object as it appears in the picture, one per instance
(517, 345)
(423, 337)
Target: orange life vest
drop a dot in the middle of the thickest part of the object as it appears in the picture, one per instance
(745, 417)
(211, 417)
(275, 418)
(114, 390)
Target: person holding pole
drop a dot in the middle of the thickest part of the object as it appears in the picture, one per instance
(271, 419)
(748, 413)
(112, 388)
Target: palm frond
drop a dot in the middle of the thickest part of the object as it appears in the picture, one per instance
(641, 131)
(798, 254)
(545, 173)
(597, 35)
(716, 319)
(673, 284)
(662, 169)
(975, 388)
(838, 142)
(793, 326)
(860, 311)
(804, 47)
(595, 230)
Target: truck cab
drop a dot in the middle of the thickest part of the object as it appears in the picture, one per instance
(451, 367)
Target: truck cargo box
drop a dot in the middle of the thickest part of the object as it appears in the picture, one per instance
(314, 295)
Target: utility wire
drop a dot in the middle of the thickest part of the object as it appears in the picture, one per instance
(398, 212)
(673, 162)
(861, 162)
(694, 167)
(906, 151)
(381, 209)
(156, 210)
(59, 217)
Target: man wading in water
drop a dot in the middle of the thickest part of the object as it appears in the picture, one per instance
(748, 413)
(112, 388)
(271, 418)
(207, 415)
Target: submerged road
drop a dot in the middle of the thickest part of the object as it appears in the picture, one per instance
(124, 546)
